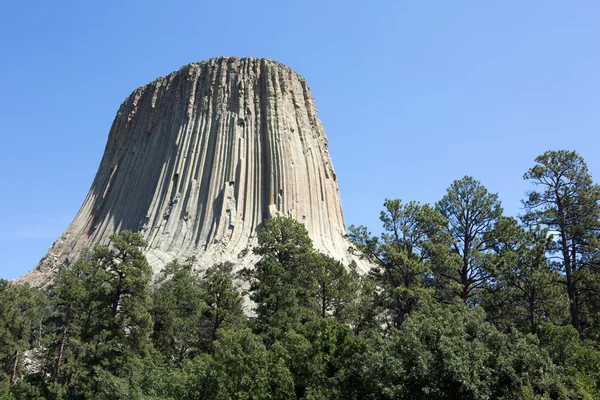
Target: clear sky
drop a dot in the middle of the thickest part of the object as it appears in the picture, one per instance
(412, 94)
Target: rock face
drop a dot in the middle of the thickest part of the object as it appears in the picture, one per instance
(197, 160)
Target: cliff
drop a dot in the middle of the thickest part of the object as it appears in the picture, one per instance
(197, 160)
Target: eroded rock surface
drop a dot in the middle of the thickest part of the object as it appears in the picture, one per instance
(198, 159)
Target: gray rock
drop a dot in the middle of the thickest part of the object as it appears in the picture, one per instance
(198, 159)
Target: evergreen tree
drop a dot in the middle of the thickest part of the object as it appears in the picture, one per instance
(366, 313)
(414, 237)
(126, 322)
(335, 287)
(566, 201)
(246, 370)
(74, 296)
(222, 302)
(319, 330)
(177, 312)
(472, 213)
(103, 317)
(453, 353)
(281, 284)
(22, 310)
(526, 290)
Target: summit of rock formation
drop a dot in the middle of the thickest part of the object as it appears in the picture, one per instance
(198, 159)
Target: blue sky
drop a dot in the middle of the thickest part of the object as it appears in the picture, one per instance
(412, 94)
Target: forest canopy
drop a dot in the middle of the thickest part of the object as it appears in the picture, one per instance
(461, 302)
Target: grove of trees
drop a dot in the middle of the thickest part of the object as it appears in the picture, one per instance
(461, 302)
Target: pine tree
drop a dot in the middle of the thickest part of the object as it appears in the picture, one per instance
(414, 237)
(566, 201)
(472, 213)
(103, 304)
(281, 284)
(177, 312)
(22, 310)
(223, 304)
(335, 288)
(525, 292)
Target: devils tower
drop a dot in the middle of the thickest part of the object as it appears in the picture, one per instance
(198, 159)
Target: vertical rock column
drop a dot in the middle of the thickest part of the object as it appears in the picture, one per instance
(197, 160)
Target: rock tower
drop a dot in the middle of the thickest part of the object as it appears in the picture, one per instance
(198, 159)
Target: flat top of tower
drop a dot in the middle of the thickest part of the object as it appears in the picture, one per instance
(240, 62)
(234, 59)
(246, 67)
(233, 64)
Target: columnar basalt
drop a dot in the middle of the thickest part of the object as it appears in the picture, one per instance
(197, 160)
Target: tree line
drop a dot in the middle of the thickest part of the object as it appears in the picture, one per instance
(461, 302)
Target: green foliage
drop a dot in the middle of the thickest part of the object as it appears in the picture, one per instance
(460, 303)
(178, 313)
(472, 213)
(335, 289)
(293, 284)
(222, 302)
(125, 323)
(242, 367)
(21, 312)
(414, 238)
(579, 360)
(568, 203)
(453, 353)
(102, 314)
(527, 289)
(280, 283)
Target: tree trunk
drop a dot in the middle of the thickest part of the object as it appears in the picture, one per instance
(532, 312)
(117, 298)
(13, 376)
(323, 303)
(116, 301)
(213, 336)
(571, 289)
(464, 277)
(60, 353)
